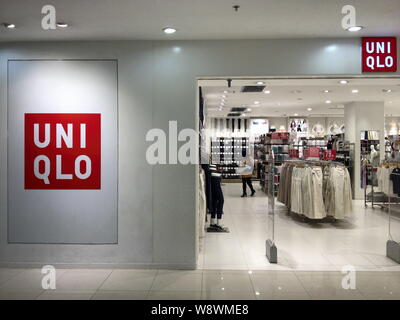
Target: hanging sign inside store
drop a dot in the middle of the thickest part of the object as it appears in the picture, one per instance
(330, 155)
(312, 153)
(62, 151)
(294, 153)
(280, 135)
(379, 54)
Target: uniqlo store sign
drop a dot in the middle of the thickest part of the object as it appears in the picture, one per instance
(379, 54)
(62, 151)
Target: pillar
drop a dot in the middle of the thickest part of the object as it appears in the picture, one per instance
(363, 116)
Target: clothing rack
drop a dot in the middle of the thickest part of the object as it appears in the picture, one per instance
(317, 162)
(286, 197)
(367, 168)
(386, 199)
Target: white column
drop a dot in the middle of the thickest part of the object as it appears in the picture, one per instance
(363, 116)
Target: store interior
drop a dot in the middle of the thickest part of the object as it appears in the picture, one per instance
(322, 155)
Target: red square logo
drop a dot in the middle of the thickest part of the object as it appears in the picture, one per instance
(379, 54)
(62, 151)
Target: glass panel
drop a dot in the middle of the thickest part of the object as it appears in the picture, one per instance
(271, 199)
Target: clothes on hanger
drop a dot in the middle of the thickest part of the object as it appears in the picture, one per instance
(316, 190)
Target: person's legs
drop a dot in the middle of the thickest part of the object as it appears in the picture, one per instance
(244, 187)
(248, 181)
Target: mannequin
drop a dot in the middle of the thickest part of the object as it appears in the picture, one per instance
(217, 199)
(374, 156)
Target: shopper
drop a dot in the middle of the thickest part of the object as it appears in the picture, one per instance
(246, 180)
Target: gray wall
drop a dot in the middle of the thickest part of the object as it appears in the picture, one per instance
(157, 83)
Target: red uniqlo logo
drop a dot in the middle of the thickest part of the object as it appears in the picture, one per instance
(379, 54)
(62, 151)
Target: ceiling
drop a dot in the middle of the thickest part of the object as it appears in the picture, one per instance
(196, 19)
(291, 97)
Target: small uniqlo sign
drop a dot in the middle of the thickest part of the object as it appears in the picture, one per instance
(379, 54)
(62, 151)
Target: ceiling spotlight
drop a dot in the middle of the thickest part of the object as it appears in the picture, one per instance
(9, 25)
(256, 102)
(225, 91)
(326, 91)
(328, 101)
(267, 91)
(387, 90)
(355, 28)
(223, 96)
(260, 83)
(296, 114)
(354, 91)
(248, 109)
(169, 30)
(343, 81)
(309, 109)
(62, 24)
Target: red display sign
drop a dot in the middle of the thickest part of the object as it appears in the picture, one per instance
(330, 155)
(280, 135)
(294, 153)
(62, 151)
(312, 152)
(379, 54)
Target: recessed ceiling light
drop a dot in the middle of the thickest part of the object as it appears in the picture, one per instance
(328, 101)
(326, 91)
(387, 90)
(243, 114)
(169, 30)
(62, 24)
(354, 91)
(223, 96)
(248, 109)
(9, 25)
(267, 91)
(309, 109)
(296, 114)
(343, 81)
(260, 83)
(256, 102)
(355, 28)
(225, 91)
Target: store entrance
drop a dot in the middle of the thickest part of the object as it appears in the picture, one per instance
(333, 143)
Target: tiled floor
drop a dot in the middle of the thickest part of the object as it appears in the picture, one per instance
(119, 284)
(359, 241)
(234, 266)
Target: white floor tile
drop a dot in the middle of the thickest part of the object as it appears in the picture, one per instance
(177, 281)
(174, 295)
(123, 280)
(228, 295)
(217, 281)
(82, 279)
(65, 295)
(120, 295)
